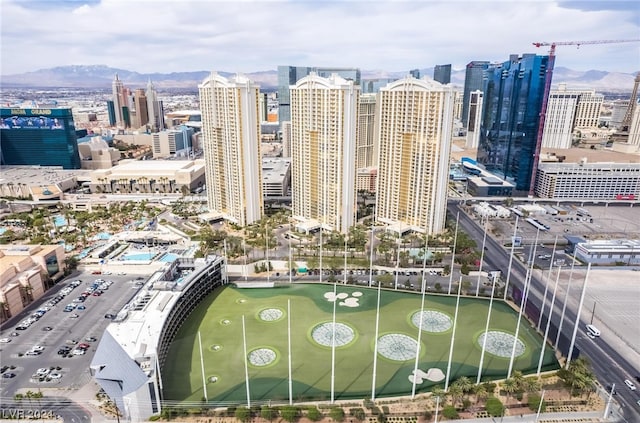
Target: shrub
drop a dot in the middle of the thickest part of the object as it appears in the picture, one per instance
(450, 412)
(494, 407)
(358, 413)
(243, 414)
(337, 414)
(314, 414)
(427, 415)
(534, 403)
(154, 418)
(290, 413)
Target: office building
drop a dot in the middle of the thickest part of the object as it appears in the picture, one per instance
(513, 95)
(472, 82)
(155, 109)
(173, 142)
(111, 112)
(634, 128)
(142, 113)
(442, 74)
(45, 137)
(588, 181)
(323, 143)
(286, 139)
(589, 108)
(365, 141)
(414, 143)
(609, 252)
(474, 119)
(415, 73)
(231, 130)
(372, 86)
(290, 75)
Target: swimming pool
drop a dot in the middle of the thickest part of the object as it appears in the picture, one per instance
(59, 220)
(138, 256)
(168, 257)
(3, 230)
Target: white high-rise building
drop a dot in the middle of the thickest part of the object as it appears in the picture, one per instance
(414, 129)
(323, 145)
(474, 120)
(231, 131)
(558, 123)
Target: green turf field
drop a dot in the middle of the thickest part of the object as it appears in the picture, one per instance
(219, 320)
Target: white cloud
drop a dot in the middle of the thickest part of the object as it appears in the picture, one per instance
(165, 36)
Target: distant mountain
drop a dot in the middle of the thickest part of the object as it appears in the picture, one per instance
(101, 76)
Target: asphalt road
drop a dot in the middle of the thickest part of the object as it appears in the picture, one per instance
(607, 363)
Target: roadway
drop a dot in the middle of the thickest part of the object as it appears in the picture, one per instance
(607, 363)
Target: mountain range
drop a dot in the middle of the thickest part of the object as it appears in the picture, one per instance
(101, 76)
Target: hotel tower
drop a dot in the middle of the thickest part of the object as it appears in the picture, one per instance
(323, 148)
(231, 130)
(414, 131)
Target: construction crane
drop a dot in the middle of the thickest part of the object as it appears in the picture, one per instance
(547, 90)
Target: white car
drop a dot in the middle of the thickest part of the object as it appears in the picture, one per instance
(55, 375)
(79, 351)
(630, 384)
(43, 371)
(5, 340)
(37, 348)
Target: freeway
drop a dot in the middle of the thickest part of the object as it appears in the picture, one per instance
(608, 364)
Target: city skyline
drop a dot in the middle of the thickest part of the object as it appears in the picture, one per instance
(383, 35)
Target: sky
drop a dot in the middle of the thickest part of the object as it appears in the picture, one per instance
(248, 36)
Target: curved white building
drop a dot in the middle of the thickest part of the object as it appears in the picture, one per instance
(415, 119)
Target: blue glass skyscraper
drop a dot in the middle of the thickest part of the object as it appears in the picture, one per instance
(513, 94)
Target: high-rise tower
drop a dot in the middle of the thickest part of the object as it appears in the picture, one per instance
(231, 131)
(154, 108)
(140, 103)
(442, 74)
(513, 94)
(414, 129)
(119, 101)
(323, 142)
(472, 82)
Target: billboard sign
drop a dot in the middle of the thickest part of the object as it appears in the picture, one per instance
(32, 122)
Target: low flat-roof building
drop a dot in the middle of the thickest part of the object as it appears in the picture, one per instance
(609, 252)
(276, 176)
(149, 176)
(588, 181)
(40, 182)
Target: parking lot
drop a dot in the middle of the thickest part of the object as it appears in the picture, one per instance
(51, 344)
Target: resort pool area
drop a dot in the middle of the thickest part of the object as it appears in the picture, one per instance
(3, 230)
(59, 221)
(168, 257)
(138, 256)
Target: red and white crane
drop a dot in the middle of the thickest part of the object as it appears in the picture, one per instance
(547, 90)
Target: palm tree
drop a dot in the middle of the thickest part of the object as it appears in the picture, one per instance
(509, 386)
(464, 383)
(456, 394)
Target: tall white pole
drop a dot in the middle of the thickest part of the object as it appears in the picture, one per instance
(321, 247)
(484, 240)
(266, 238)
(577, 322)
(291, 266)
(397, 260)
(546, 285)
(375, 347)
(513, 245)
(523, 303)
(344, 273)
(606, 409)
(437, 406)
(371, 257)
(204, 378)
(546, 330)
(415, 367)
(566, 296)
(289, 352)
(453, 337)
(453, 254)
(246, 364)
(244, 248)
(540, 406)
(333, 344)
(486, 330)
